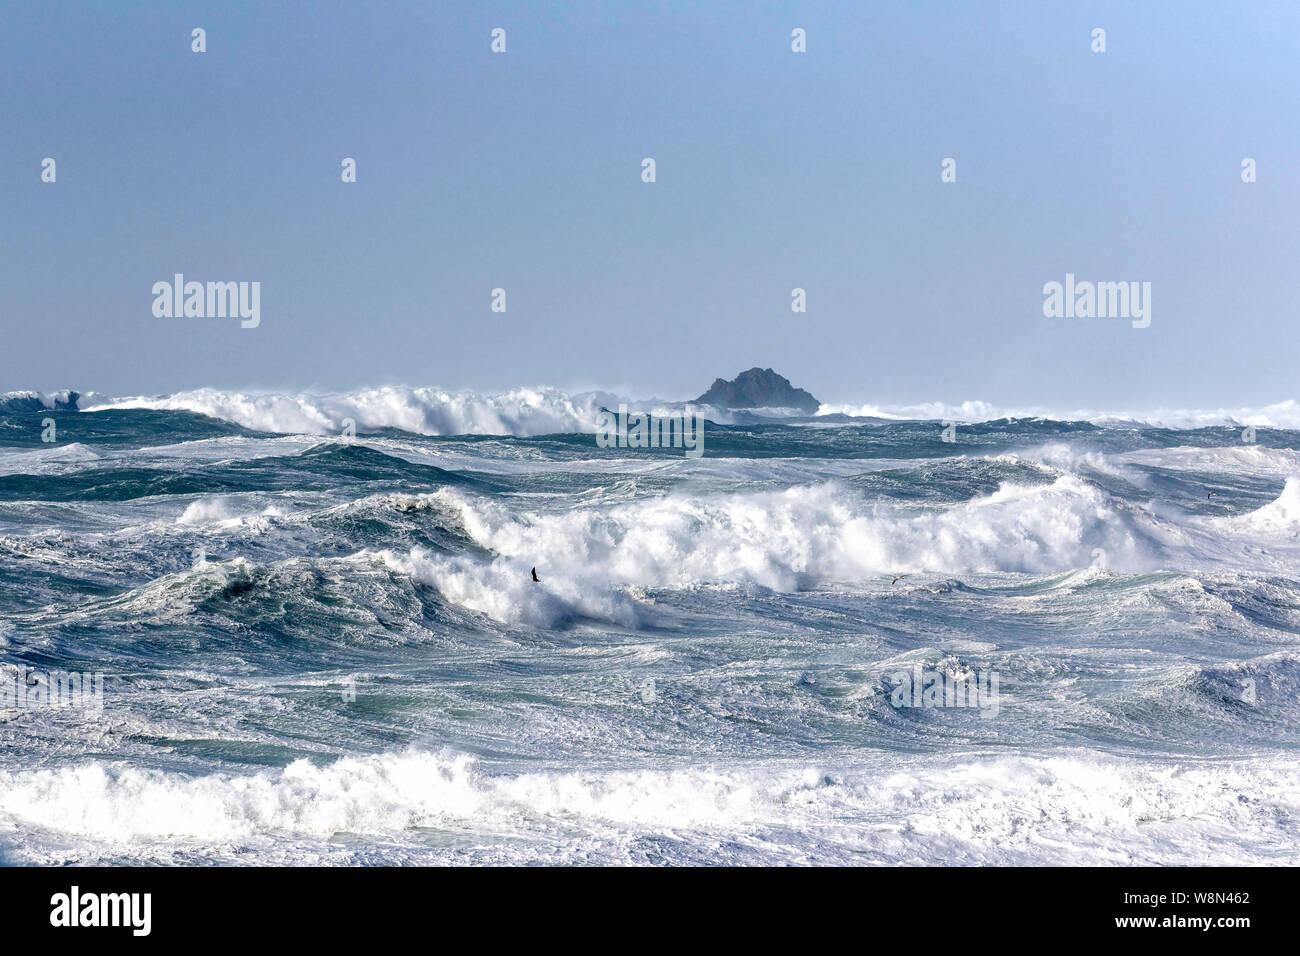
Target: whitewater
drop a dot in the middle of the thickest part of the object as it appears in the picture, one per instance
(320, 640)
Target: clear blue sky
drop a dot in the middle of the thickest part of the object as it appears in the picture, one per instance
(775, 170)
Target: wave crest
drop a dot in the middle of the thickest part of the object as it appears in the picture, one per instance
(521, 412)
(591, 558)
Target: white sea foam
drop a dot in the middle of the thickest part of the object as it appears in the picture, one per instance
(1284, 414)
(505, 591)
(535, 411)
(28, 399)
(592, 557)
(1278, 518)
(805, 536)
(814, 533)
(424, 411)
(1076, 808)
(1244, 459)
(973, 411)
(48, 459)
(222, 511)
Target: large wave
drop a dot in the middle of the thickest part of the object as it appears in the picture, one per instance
(520, 412)
(591, 558)
(29, 401)
(1277, 519)
(814, 534)
(523, 412)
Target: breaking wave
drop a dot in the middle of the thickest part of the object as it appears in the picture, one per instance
(814, 534)
(520, 412)
(1284, 414)
(1005, 809)
(524, 412)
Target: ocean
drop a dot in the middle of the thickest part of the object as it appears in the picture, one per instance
(831, 639)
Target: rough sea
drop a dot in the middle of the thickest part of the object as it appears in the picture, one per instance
(296, 646)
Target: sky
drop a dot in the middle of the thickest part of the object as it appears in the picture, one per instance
(775, 170)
